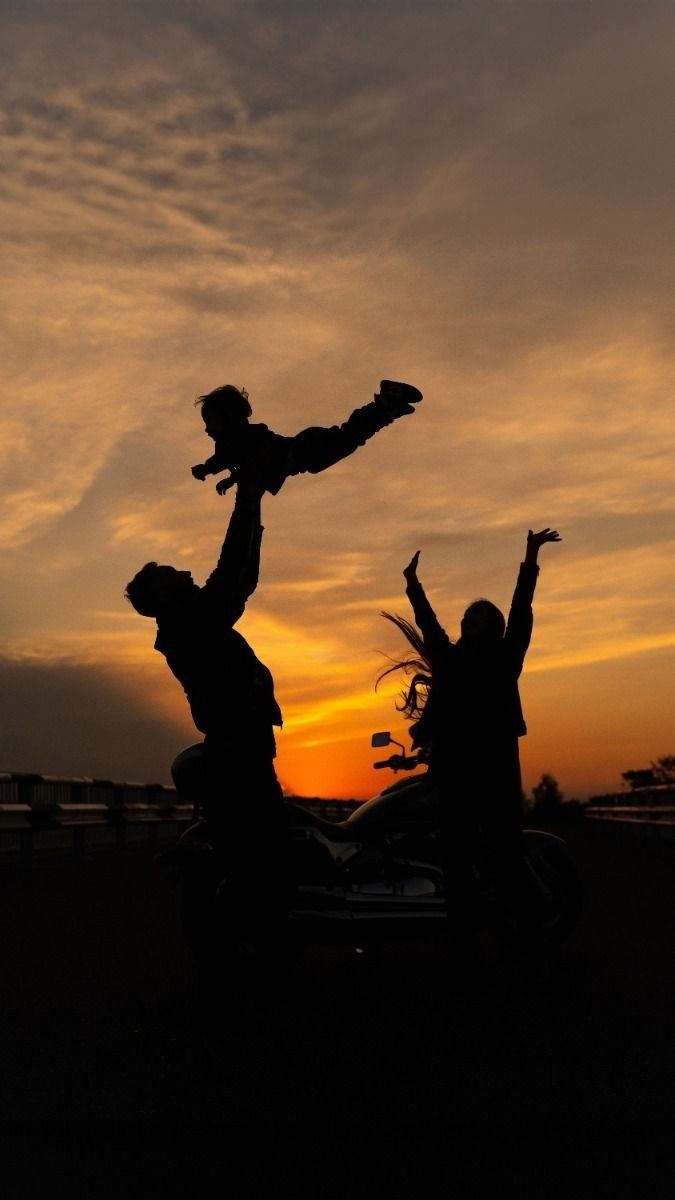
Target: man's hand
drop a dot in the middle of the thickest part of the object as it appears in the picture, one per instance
(410, 572)
(250, 479)
(199, 471)
(223, 485)
(535, 540)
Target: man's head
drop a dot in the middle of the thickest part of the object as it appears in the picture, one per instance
(155, 587)
(225, 409)
(483, 622)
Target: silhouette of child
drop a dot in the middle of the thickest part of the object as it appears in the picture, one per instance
(226, 412)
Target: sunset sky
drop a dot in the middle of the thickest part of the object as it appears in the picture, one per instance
(304, 197)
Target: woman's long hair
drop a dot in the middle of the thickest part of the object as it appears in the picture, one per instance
(414, 697)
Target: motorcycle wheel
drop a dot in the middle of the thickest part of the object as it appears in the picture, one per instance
(554, 900)
(206, 917)
(561, 895)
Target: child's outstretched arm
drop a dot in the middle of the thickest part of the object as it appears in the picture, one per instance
(212, 466)
(519, 625)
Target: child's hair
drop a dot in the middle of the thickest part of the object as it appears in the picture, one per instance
(234, 398)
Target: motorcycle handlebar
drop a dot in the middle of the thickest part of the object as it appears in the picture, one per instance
(398, 762)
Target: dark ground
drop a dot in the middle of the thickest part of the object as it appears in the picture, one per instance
(98, 990)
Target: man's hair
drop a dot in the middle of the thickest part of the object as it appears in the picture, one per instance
(233, 398)
(140, 591)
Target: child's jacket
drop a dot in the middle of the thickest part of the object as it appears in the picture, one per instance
(312, 450)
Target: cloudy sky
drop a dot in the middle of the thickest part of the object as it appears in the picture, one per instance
(304, 197)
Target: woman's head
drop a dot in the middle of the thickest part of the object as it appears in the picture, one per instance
(483, 622)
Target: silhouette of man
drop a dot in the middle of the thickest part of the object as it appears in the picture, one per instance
(471, 723)
(231, 698)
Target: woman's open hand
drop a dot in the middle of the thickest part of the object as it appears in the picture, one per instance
(535, 540)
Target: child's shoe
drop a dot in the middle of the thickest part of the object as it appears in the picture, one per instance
(397, 398)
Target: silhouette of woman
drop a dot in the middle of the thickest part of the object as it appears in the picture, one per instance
(464, 696)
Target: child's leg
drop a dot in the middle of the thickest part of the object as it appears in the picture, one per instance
(317, 448)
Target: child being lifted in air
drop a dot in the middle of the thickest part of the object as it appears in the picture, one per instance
(226, 412)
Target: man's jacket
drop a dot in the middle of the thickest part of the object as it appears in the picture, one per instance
(230, 692)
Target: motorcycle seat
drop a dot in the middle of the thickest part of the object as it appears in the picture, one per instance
(336, 831)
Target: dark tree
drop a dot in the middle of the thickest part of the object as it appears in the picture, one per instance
(665, 768)
(661, 771)
(547, 797)
(644, 777)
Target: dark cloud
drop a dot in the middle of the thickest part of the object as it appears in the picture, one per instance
(69, 719)
(215, 300)
(517, 143)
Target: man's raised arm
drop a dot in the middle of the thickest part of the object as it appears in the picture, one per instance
(236, 575)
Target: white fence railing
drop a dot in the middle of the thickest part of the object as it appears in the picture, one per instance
(44, 816)
(646, 820)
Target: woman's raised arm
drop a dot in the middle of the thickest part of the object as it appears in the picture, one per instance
(426, 620)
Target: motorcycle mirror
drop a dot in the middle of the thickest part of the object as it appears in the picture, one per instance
(380, 739)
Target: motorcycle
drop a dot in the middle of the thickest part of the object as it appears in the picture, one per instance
(375, 876)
